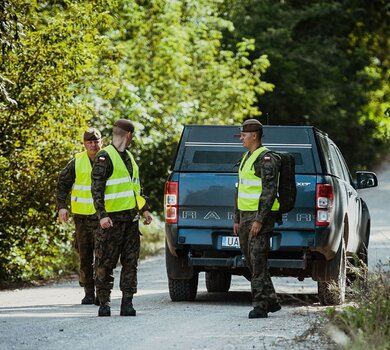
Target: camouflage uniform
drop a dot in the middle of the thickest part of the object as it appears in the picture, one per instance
(121, 240)
(255, 249)
(86, 226)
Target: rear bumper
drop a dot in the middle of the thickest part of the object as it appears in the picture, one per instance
(290, 251)
(239, 261)
(209, 239)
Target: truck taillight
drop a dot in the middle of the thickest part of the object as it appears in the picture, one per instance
(171, 197)
(324, 204)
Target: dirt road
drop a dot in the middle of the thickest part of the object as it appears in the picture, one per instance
(51, 317)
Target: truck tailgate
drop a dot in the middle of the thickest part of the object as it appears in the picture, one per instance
(207, 199)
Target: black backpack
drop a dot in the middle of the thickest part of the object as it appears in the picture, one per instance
(287, 190)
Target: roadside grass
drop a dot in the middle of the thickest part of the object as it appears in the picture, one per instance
(365, 323)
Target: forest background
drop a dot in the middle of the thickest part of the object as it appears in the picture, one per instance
(66, 64)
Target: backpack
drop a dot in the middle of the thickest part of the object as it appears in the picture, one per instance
(287, 190)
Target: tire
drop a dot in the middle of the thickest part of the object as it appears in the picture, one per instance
(183, 290)
(218, 282)
(333, 292)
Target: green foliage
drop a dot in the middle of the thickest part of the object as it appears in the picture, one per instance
(330, 67)
(39, 253)
(165, 66)
(366, 324)
(160, 64)
(9, 35)
(40, 130)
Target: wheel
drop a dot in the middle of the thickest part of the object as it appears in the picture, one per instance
(183, 289)
(218, 282)
(333, 292)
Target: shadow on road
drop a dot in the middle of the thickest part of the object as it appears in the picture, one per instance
(244, 298)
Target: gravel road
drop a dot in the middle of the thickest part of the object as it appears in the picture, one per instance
(51, 317)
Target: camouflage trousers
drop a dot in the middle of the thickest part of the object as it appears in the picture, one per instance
(120, 241)
(84, 244)
(255, 250)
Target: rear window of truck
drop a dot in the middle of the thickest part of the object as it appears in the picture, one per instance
(211, 157)
(218, 157)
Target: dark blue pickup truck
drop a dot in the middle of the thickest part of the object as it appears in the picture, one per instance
(329, 225)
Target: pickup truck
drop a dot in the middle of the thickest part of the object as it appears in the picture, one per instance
(328, 227)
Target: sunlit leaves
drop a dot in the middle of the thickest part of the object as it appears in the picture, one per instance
(40, 128)
(159, 63)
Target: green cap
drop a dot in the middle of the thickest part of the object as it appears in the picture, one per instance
(125, 125)
(92, 134)
(251, 125)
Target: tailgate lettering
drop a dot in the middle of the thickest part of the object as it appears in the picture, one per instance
(304, 217)
(212, 215)
(189, 215)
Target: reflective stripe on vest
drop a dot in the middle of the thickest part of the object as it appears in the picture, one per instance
(81, 196)
(121, 188)
(250, 185)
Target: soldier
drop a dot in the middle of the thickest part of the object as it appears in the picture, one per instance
(256, 210)
(116, 194)
(76, 178)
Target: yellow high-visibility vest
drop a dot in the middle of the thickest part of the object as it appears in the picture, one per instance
(250, 185)
(81, 196)
(122, 191)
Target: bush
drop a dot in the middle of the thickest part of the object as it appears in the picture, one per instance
(366, 323)
(45, 256)
(38, 255)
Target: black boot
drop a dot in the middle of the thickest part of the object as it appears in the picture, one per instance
(89, 297)
(274, 307)
(127, 307)
(258, 313)
(104, 310)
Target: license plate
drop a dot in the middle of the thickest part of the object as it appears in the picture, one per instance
(230, 242)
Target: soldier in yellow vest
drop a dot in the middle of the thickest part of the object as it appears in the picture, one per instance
(75, 178)
(116, 192)
(256, 210)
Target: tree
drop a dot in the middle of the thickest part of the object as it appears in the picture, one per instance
(9, 38)
(40, 125)
(167, 67)
(330, 67)
(159, 63)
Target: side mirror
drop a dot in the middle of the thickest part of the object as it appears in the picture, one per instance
(366, 179)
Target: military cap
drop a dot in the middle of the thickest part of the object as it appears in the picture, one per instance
(125, 125)
(92, 134)
(251, 125)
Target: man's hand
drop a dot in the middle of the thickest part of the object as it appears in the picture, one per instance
(147, 217)
(256, 228)
(63, 215)
(236, 229)
(106, 223)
